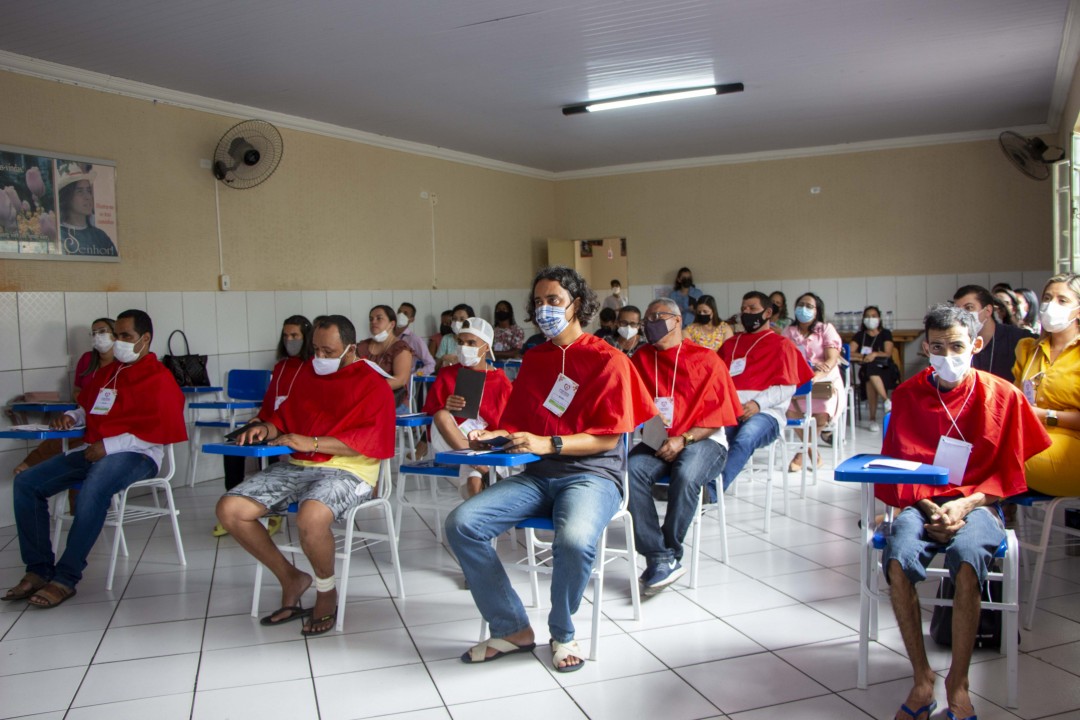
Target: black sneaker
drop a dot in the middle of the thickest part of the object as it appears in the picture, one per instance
(659, 576)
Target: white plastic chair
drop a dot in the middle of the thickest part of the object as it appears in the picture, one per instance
(123, 512)
(1036, 516)
(348, 540)
(808, 425)
(695, 529)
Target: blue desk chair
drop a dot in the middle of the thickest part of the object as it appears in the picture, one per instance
(245, 390)
(874, 540)
(349, 539)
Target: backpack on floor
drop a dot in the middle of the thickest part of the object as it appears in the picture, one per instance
(988, 635)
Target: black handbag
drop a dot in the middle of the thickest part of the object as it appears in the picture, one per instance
(988, 634)
(189, 370)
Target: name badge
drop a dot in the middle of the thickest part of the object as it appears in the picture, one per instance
(104, 402)
(865, 350)
(1029, 391)
(737, 367)
(953, 454)
(666, 406)
(278, 400)
(561, 395)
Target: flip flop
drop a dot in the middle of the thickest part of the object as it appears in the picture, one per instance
(916, 714)
(296, 612)
(331, 619)
(561, 651)
(36, 582)
(952, 716)
(53, 594)
(478, 653)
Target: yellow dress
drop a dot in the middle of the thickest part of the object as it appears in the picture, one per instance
(1057, 387)
(711, 337)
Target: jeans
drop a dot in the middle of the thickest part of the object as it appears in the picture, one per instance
(580, 507)
(100, 481)
(695, 465)
(743, 440)
(975, 544)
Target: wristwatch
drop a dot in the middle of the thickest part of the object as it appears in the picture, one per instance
(1051, 418)
(688, 438)
(556, 442)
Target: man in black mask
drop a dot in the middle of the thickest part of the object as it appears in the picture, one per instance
(766, 368)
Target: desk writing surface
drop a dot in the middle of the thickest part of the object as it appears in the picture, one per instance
(497, 459)
(246, 450)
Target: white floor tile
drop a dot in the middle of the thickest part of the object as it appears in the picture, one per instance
(136, 679)
(772, 562)
(160, 608)
(820, 708)
(1066, 657)
(34, 655)
(534, 706)
(696, 643)
(657, 695)
(293, 699)
(737, 597)
(750, 682)
(835, 663)
(334, 654)
(663, 610)
(142, 641)
(1044, 689)
(788, 627)
(39, 692)
(65, 619)
(165, 707)
(460, 682)
(254, 665)
(884, 699)
(814, 585)
(620, 656)
(376, 692)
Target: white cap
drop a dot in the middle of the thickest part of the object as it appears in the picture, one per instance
(481, 328)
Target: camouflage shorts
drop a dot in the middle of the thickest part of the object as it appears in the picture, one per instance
(282, 484)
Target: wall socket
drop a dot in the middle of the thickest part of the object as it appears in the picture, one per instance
(223, 282)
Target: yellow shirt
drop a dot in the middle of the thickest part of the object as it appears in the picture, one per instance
(365, 468)
(711, 336)
(1057, 385)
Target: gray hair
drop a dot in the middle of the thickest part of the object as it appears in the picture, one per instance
(946, 317)
(668, 303)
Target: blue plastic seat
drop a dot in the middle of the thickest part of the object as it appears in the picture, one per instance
(245, 390)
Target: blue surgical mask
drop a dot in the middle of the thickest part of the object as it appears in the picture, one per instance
(551, 320)
(805, 314)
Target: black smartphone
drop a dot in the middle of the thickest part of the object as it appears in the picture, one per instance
(236, 433)
(496, 442)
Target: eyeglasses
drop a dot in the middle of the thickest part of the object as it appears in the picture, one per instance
(659, 316)
(95, 333)
(623, 323)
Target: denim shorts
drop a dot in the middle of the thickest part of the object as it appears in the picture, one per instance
(975, 544)
(282, 484)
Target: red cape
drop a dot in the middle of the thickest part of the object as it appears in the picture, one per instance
(149, 404)
(705, 396)
(354, 405)
(997, 421)
(497, 390)
(280, 383)
(611, 398)
(774, 361)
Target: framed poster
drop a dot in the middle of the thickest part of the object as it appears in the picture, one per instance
(57, 207)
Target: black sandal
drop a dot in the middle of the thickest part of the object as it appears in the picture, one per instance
(331, 619)
(296, 612)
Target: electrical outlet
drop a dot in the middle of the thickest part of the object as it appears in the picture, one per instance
(223, 281)
(205, 164)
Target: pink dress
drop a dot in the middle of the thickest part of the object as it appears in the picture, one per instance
(821, 338)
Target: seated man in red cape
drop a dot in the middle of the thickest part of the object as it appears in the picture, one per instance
(766, 369)
(697, 400)
(983, 430)
(339, 422)
(573, 400)
(132, 409)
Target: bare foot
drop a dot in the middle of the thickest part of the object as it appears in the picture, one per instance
(323, 614)
(291, 592)
(921, 695)
(522, 637)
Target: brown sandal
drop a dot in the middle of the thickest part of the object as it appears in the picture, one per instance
(51, 595)
(30, 584)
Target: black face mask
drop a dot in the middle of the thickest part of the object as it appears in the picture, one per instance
(752, 322)
(686, 282)
(501, 316)
(655, 330)
(445, 329)
(703, 319)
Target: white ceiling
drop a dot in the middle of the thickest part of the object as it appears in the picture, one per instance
(489, 77)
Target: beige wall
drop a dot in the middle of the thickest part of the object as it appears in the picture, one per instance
(948, 208)
(335, 215)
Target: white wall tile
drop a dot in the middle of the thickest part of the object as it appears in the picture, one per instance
(81, 309)
(53, 378)
(1036, 280)
(11, 386)
(881, 291)
(200, 324)
(166, 310)
(851, 294)
(8, 461)
(262, 359)
(263, 323)
(314, 303)
(289, 302)
(940, 288)
(232, 361)
(719, 292)
(826, 289)
(440, 300)
(486, 306)
(472, 298)
(121, 301)
(232, 323)
(380, 297)
(911, 298)
(338, 303)
(736, 290)
(360, 301)
(983, 279)
(42, 330)
(791, 288)
(10, 354)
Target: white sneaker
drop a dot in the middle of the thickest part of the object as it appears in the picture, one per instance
(874, 427)
(888, 406)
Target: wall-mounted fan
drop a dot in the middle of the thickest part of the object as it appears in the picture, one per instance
(1029, 154)
(248, 154)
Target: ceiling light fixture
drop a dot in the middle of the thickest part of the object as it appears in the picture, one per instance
(647, 98)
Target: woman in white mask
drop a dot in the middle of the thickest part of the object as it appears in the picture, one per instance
(449, 431)
(872, 348)
(391, 354)
(628, 336)
(1047, 370)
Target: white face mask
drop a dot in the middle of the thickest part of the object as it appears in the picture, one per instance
(978, 323)
(381, 337)
(627, 332)
(328, 366)
(951, 368)
(1055, 317)
(470, 356)
(551, 320)
(616, 291)
(402, 320)
(871, 323)
(456, 326)
(103, 342)
(125, 352)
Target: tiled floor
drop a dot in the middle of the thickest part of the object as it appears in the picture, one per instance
(771, 635)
